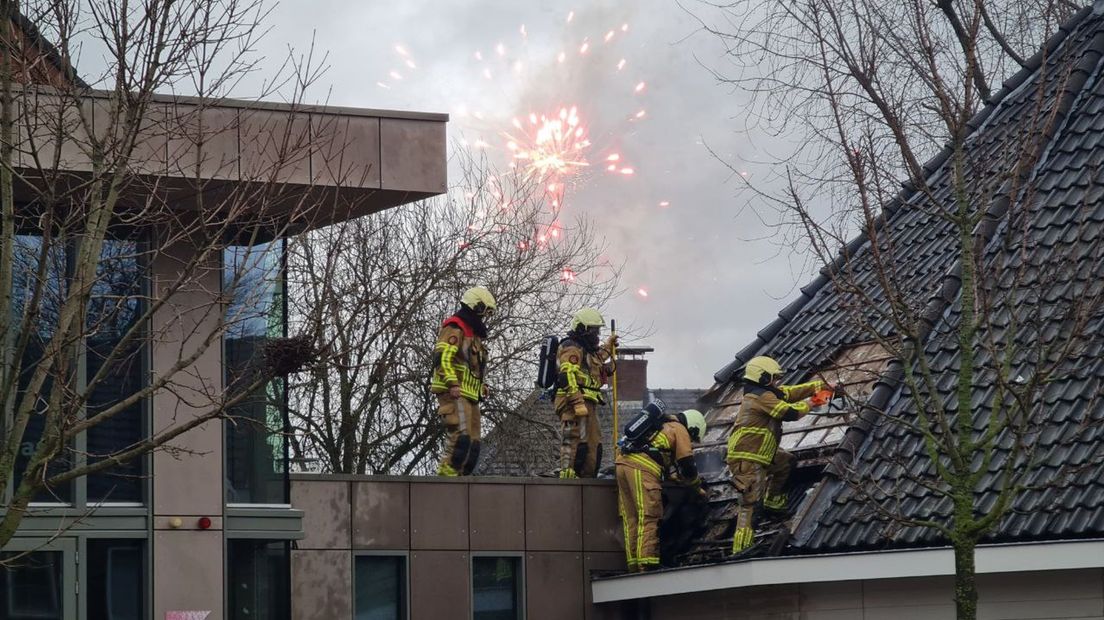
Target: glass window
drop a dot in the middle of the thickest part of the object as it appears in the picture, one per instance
(496, 588)
(256, 433)
(39, 272)
(116, 583)
(259, 576)
(30, 586)
(114, 311)
(380, 582)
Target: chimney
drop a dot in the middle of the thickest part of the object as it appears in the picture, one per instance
(632, 373)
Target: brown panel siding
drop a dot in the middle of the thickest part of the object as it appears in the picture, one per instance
(380, 515)
(439, 584)
(553, 517)
(497, 516)
(438, 516)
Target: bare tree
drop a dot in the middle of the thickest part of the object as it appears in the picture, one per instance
(377, 290)
(873, 89)
(103, 186)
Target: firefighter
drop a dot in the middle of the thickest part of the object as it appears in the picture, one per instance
(759, 468)
(584, 366)
(459, 365)
(667, 453)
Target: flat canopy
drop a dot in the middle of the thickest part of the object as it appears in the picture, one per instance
(355, 161)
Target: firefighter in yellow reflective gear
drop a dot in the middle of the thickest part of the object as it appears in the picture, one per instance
(758, 466)
(641, 469)
(584, 367)
(459, 365)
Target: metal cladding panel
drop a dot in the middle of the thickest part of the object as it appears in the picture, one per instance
(275, 146)
(554, 586)
(497, 513)
(601, 562)
(553, 517)
(322, 584)
(189, 572)
(601, 524)
(439, 516)
(440, 584)
(413, 155)
(325, 508)
(217, 129)
(188, 482)
(381, 515)
(39, 118)
(347, 150)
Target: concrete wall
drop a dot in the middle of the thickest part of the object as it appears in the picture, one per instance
(563, 530)
(1023, 596)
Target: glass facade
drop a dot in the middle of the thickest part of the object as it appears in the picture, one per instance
(31, 586)
(116, 579)
(114, 310)
(256, 433)
(496, 588)
(259, 574)
(380, 587)
(38, 270)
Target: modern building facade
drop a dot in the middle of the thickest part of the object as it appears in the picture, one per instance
(203, 528)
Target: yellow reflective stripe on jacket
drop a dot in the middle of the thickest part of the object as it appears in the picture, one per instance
(779, 409)
(448, 352)
(788, 390)
(589, 387)
(765, 453)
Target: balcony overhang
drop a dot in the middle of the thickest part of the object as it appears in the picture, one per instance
(311, 165)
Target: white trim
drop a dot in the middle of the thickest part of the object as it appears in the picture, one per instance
(247, 506)
(847, 567)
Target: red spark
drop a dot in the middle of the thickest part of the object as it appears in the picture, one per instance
(639, 87)
(621, 64)
(665, 203)
(643, 292)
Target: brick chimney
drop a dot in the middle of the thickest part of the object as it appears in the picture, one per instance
(632, 373)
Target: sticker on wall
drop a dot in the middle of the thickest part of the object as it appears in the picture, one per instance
(187, 615)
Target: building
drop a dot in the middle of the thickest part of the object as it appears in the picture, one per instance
(203, 529)
(839, 556)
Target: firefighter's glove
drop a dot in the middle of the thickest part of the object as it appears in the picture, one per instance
(454, 391)
(611, 342)
(821, 398)
(581, 409)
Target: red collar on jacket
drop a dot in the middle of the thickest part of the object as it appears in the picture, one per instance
(459, 322)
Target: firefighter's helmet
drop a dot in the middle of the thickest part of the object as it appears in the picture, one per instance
(587, 317)
(479, 299)
(695, 424)
(762, 370)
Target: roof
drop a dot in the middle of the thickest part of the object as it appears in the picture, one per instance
(527, 443)
(1062, 216)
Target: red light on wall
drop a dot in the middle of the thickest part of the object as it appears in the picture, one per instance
(204, 523)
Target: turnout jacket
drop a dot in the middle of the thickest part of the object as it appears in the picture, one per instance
(459, 358)
(670, 454)
(582, 373)
(758, 424)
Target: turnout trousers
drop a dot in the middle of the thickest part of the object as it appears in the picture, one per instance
(757, 482)
(640, 502)
(462, 425)
(580, 440)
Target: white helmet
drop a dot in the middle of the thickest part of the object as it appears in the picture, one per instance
(695, 423)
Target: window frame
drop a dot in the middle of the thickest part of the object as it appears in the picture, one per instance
(522, 591)
(398, 553)
(79, 487)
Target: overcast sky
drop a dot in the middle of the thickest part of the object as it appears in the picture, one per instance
(713, 276)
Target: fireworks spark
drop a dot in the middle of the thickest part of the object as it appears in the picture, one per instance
(643, 292)
(550, 145)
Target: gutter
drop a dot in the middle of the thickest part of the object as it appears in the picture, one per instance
(991, 559)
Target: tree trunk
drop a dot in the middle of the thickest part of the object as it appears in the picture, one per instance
(965, 588)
